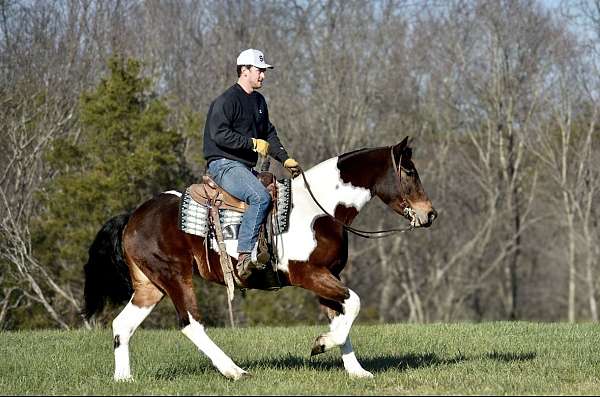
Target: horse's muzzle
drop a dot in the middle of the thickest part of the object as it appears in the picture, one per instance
(422, 218)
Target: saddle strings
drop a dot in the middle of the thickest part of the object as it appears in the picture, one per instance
(358, 232)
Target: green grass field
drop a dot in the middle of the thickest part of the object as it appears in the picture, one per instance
(488, 358)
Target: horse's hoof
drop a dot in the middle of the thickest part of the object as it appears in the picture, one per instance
(237, 374)
(242, 375)
(318, 347)
(361, 375)
(119, 378)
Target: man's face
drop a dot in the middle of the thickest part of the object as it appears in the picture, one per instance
(255, 76)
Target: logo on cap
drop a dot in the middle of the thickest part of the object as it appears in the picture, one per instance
(261, 58)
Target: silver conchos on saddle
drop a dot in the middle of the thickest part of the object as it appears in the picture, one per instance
(193, 217)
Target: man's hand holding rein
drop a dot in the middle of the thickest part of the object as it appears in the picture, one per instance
(292, 166)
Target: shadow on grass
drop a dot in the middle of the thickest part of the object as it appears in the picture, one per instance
(409, 361)
(373, 364)
(172, 372)
(510, 357)
(324, 363)
(333, 362)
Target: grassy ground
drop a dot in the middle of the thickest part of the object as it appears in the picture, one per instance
(489, 358)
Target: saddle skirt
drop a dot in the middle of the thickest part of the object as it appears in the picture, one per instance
(196, 201)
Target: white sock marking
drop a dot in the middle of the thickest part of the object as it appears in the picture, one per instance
(351, 363)
(195, 332)
(124, 325)
(341, 324)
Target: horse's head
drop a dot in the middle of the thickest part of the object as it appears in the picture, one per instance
(400, 187)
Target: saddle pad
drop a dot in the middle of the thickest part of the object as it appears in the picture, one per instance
(284, 206)
(193, 217)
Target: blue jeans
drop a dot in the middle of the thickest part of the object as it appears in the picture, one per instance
(239, 181)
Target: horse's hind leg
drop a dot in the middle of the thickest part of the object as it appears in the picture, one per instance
(145, 297)
(195, 332)
(182, 294)
(349, 359)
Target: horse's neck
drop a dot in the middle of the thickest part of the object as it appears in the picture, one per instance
(326, 184)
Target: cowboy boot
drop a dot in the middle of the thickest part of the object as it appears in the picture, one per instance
(262, 252)
(246, 265)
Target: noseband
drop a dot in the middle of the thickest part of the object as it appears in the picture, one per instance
(406, 209)
(367, 233)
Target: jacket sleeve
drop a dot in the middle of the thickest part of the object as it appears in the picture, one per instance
(221, 119)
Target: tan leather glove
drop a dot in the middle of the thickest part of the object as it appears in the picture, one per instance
(292, 166)
(261, 146)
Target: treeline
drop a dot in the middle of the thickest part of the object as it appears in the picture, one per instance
(102, 105)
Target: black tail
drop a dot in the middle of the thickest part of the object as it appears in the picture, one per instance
(106, 273)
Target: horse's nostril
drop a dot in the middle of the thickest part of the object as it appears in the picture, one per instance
(432, 215)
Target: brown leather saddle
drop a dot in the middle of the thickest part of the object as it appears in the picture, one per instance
(211, 195)
(208, 193)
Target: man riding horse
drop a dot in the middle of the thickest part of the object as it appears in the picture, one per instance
(237, 130)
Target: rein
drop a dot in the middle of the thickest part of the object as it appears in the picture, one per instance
(359, 232)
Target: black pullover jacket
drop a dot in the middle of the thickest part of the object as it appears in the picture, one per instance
(233, 119)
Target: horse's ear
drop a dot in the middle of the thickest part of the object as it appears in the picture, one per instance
(400, 148)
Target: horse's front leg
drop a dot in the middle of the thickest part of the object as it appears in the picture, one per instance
(355, 370)
(339, 327)
(344, 305)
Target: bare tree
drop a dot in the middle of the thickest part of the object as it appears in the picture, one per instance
(40, 83)
(500, 98)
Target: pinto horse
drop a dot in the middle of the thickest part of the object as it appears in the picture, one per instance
(145, 256)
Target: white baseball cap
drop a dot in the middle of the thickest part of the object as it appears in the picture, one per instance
(253, 57)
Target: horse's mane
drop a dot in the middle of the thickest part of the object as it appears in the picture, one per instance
(354, 152)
